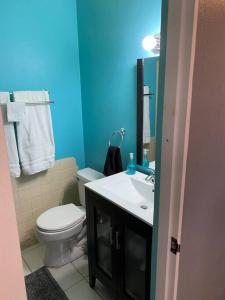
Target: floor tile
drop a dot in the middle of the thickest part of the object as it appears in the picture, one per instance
(33, 257)
(26, 270)
(77, 253)
(66, 276)
(104, 292)
(81, 264)
(70, 277)
(82, 291)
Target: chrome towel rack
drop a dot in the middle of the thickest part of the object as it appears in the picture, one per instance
(29, 103)
(37, 102)
(34, 103)
(121, 132)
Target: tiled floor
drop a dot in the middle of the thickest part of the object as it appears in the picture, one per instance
(73, 277)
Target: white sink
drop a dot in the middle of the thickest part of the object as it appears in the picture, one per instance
(131, 189)
(131, 192)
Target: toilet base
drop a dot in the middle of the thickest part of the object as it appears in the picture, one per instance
(58, 254)
(62, 247)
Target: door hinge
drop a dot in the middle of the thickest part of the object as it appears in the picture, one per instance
(175, 247)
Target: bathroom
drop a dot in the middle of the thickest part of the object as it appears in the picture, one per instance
(85, 57)
(112, 150)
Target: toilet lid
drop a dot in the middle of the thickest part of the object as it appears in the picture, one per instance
(60, 218)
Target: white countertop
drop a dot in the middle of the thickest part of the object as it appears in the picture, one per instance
(129, 192)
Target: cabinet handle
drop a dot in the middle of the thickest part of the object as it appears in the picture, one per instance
(117, 240)
(111, 236)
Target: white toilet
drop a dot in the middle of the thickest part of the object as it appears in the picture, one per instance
(61, 228)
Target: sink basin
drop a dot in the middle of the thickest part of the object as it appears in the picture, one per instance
(130, 192)
(132, 189)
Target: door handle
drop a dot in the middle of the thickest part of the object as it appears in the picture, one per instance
(117, 240)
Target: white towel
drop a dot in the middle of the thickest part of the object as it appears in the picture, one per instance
(15, 111)
(146, 116)
(10, 137)
(34, 133)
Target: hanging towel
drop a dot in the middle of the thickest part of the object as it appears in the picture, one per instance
(113, 163)
(146, 116)
(34, 133)
(15, 111)
(10, 137)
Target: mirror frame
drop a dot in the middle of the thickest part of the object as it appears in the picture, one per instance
(140, 106)
(140, 95)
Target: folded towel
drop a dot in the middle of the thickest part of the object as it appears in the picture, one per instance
(10, 137)
(34, 133)
(113, 163)
(15, 111)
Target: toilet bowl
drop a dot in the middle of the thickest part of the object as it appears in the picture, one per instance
(61, 228)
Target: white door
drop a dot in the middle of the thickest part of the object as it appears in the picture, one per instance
(180, 53)
(202, 257)
(192, 195)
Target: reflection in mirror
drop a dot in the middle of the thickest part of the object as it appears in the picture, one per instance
(147, 94)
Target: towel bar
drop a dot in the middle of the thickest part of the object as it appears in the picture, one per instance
(34, 103)
(41, 102)
(121, 132)
(31, 103)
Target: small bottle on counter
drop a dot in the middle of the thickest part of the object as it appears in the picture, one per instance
(145, 162)
(131, 169)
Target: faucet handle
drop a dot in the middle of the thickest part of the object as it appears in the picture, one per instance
(150, 178)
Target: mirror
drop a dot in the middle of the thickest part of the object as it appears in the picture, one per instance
(147, 95)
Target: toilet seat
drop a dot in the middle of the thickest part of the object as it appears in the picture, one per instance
(61, 218)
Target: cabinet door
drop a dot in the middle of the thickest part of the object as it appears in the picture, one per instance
(101, 239)
(119, 249)
(136, 259)
(103, 228)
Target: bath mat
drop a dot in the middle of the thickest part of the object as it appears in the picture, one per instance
(40, 285)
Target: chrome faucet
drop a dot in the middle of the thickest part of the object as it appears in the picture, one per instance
(151, 177)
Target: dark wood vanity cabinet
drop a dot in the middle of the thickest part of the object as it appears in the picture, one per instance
(119, 249)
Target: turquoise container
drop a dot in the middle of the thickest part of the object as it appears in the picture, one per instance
(131, 168)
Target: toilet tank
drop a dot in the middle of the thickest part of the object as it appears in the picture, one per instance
(84, 176)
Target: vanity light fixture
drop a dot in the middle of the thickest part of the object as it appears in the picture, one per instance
(151, 43)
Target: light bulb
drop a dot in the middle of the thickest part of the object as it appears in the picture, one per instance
(149, 42)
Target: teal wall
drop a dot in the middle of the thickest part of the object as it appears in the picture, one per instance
(150, 79)
(110, 41)
(39, 50)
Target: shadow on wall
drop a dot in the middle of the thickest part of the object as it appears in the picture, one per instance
(35, 194)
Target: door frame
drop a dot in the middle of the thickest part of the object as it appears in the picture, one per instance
(175, 90)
